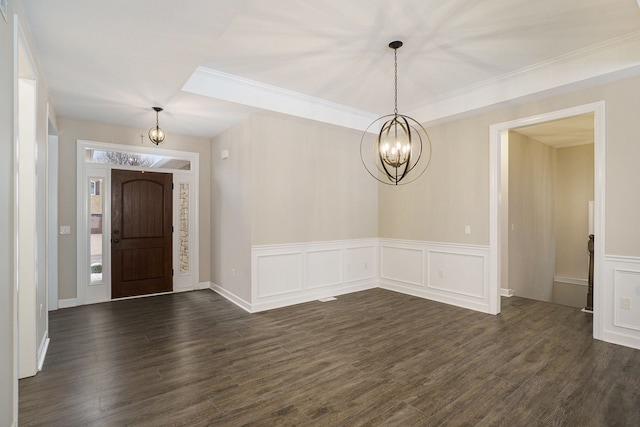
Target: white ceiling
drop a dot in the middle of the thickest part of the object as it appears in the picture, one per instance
(211, 63)
(568, 132)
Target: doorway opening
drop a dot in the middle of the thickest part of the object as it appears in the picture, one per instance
(95, 163)
(547, 191)
(499, 226)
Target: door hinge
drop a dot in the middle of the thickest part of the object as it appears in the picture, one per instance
(172, 185)
(172, 230)
(172, 272)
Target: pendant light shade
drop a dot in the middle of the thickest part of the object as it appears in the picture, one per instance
(156, 135)
(401, 151)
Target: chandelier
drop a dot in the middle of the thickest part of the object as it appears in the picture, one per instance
(401, 152)
(156, 135)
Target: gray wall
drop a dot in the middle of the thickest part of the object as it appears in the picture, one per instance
(532, 237)
(7, 324)
(231, 211)
(574, 190)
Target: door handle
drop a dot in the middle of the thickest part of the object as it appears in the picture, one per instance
(116, 241)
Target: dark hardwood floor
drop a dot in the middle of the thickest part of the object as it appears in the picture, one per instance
(368, 358)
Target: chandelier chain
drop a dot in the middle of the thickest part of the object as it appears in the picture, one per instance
(395, 56)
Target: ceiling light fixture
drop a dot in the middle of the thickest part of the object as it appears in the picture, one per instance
(156, 135)
(402, 149)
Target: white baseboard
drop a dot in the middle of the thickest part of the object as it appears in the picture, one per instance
(67, 303)
(311, 296)
(571, 280)
(204, 285)
(231, 297)
(507, 292)
(42, 351)
(450, 299)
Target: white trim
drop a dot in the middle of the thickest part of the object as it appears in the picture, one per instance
(495, 130)
(617, 328)
(622, 258)
(219, 85)
(203, 285)
(16, 35)
(67, 303)
(281, 274)
(42, 350)
(52, 212)
(571, 280)
(84, 169)
(284, 281)
(471, 292)
(595, 63)
(246, 306)
(314, 296)
(507, 293)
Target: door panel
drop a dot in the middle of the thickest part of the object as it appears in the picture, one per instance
(141, 242)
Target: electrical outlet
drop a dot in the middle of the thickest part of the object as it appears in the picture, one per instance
(467, 229)
(441, 274)
(233, 272)
(366, 265)
(625, 303)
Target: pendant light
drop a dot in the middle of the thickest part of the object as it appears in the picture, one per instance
(401, 152)
(156, 135)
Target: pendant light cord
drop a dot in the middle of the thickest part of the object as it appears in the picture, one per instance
(395, 56)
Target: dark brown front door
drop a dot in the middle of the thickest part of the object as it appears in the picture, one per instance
(141, 255)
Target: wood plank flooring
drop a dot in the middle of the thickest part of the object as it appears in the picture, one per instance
(369, 358)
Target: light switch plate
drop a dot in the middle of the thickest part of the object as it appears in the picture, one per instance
(65, 229)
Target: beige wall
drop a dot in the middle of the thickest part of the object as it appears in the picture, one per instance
(573, 191)
(72, 130)
(287, 180)
(231, 211)
(309, 183)
(455, 190)
(532, 177)
(7, 324)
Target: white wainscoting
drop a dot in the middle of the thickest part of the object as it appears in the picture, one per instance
(450, 273)
(290, 274)
(621, 281)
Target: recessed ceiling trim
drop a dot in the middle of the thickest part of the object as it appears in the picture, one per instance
(596, 61)
(219, 85)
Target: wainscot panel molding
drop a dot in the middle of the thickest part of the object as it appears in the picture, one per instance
(450, 273)
(621, 288)
(288, 274)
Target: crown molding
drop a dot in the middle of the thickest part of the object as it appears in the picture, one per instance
(594, 62)
(219, 85)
